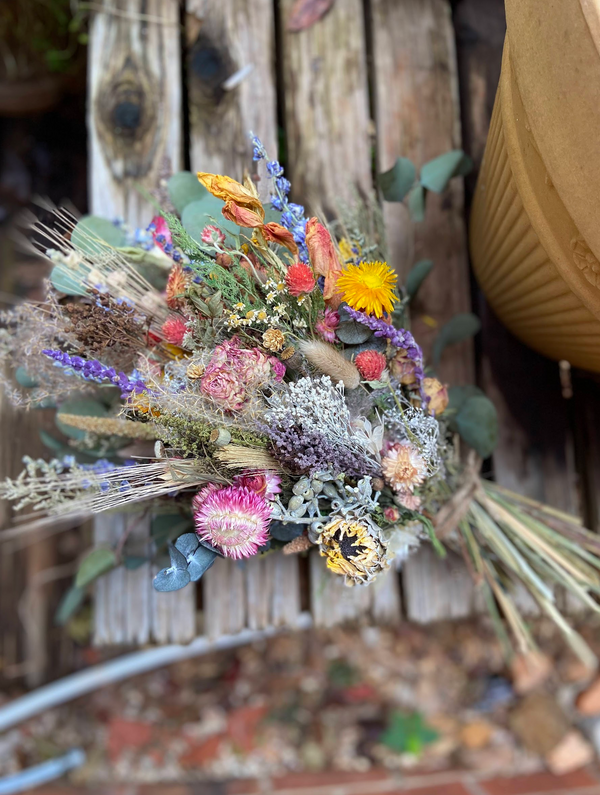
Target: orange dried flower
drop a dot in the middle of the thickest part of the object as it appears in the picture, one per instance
(229, 189)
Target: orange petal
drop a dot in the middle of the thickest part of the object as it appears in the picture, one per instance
(324, 259)
(276, 233)
(228, 189)
(241, 216)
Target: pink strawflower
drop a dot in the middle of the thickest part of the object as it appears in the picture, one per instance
(160, 230)
(174, 330)
(370, 364)
(327, 324)
(211, 234)
(234, 520)
(267, 484)
(300, 279)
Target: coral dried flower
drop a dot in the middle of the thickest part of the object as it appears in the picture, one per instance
(176, 287)
(233, 519)
(370, 364)
(368, 287)
(300, 279)
(404, 467)
(174, 330)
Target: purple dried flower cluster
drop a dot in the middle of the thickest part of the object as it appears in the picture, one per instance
(93, 370)
(303, 450)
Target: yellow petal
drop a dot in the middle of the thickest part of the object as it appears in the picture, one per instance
(228, 189)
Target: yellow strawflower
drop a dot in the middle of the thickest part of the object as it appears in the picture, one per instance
(368, 287)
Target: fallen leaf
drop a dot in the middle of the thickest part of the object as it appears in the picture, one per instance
(305, 13)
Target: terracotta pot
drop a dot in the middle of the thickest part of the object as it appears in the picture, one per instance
(535, 225)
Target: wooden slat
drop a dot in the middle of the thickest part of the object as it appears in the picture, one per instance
(135, 131)
(436, 588)
(327, 106)
(417, 116)
(327, 126)
(224, 37)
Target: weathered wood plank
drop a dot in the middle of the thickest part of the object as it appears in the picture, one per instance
(134, 110)
(135, 125)
(327, 106)
(436, 588)
(417, 116)
(223, 39)
(329, 159)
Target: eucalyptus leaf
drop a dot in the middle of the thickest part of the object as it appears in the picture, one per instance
(167, 525)
(93, 233)
(69, 605)
(187, 544)
(185, 188)
(83, 407)
(458, 395)
(23, 378)
(477, 423)
(353, 333)
(67, 281)
(417, 275)
(133, 562)
(178, 560)
(94, 565)
(171, 579)
(378, 344)
(416, 203)
(398, 181)
(437, 173)
(199, 214)
(457, 329)
(51, 442)
(202, 559)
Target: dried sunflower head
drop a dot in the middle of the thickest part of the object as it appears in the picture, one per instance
(353, 549)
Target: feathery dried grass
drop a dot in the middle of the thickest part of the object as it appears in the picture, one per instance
(331, 362)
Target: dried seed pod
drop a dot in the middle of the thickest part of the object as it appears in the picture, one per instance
(220, 437)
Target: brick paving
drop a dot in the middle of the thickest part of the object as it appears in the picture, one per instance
(374, 782)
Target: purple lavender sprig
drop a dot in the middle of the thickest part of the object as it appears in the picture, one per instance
(93, 370)
(292, 215)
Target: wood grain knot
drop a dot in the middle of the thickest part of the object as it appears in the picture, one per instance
(209, 66)
(126, 118)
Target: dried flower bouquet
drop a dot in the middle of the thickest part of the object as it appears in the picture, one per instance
(251, 373)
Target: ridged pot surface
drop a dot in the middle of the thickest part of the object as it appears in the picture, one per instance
(534, 242)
